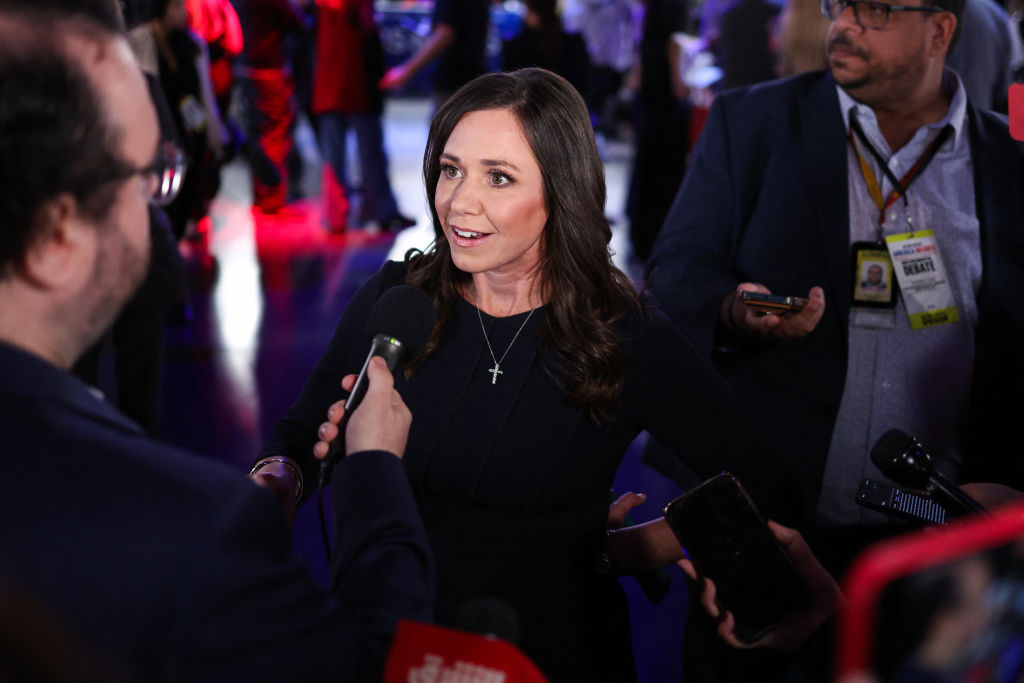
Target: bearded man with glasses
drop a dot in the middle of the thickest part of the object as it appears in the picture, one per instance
(164, 565)
(795, 183)
(136, 337)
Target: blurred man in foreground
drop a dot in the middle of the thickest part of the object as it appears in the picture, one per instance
(169, 566)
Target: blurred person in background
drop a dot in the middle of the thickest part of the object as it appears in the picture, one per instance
(269, 88)
(458, 44)
(544, 42)
(349, 65)
(984, 53)
(661, 123)
(183, 66)
(608, 29)
(743, 46)
(216, 22)
(799, 38)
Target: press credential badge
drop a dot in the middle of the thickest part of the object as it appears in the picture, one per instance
(927, 294)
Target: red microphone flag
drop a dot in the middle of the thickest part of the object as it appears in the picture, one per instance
(423, 653)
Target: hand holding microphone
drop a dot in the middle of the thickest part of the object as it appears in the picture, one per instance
(401, 323)
(381, 425)
(328, 431)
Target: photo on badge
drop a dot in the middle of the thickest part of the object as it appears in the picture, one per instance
(873, 283)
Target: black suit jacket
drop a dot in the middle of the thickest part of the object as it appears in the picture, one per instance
(765, 200)
(177, 568)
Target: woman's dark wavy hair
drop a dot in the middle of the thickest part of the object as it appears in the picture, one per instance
(585, 293)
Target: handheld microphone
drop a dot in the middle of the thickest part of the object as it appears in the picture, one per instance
(489, 616)
(903, 459)
(401, 322)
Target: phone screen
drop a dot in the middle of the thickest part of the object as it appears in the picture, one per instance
(728, 541)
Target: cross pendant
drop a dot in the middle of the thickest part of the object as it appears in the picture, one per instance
(494, 373)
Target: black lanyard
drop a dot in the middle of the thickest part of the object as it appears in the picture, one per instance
(900, 187)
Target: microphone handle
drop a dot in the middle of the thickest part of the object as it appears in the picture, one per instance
(953, 495)
(392, 351)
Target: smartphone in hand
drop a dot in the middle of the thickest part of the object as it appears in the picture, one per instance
(727, 541)
(772, 303)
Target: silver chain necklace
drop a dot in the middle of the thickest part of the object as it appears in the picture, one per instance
(496, 370)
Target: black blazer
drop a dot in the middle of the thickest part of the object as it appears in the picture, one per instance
(765, 200)
(177, 568)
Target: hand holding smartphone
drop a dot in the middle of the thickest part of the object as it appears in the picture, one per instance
(751, 311)
(772, 303)
(727, 541)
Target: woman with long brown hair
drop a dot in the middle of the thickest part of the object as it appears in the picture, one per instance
(543, 366)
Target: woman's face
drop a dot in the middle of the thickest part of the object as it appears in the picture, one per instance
(490, 195)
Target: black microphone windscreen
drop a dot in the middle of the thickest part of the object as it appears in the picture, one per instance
(405, 313)
(489, 616)
(902, 459)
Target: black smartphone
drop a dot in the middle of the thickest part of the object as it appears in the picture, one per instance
(727, 540)
(773, 303)
(901, 503)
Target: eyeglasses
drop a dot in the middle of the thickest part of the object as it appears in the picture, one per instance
(869, 14)
(162, 178)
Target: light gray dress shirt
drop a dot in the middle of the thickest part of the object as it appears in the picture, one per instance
(918, 381)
